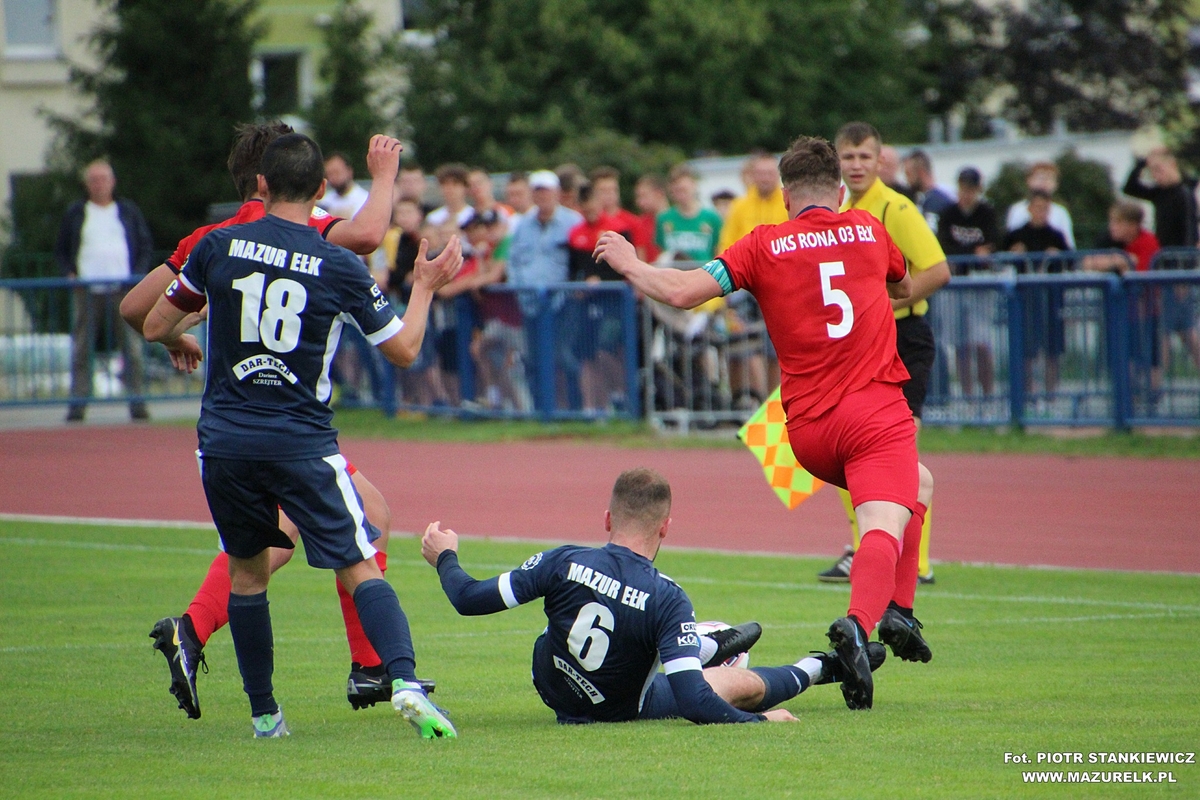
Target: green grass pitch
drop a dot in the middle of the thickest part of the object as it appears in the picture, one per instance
(1025, 661)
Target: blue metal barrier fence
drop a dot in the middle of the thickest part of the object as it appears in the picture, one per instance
(1022, 340)
(63, 341)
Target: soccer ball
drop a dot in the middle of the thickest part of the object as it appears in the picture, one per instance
(741, 660)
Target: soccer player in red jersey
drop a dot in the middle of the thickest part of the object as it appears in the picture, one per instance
(182, 639)
(823, 280)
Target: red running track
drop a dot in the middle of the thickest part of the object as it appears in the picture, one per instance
(1076, 512)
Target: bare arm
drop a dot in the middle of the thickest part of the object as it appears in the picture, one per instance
(678, 288)
(403, 348)
(923, 285)
(141, 298)
(902, 289)
(365, 231)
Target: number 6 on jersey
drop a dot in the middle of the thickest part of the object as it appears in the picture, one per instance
(836, 297)
(584, 631)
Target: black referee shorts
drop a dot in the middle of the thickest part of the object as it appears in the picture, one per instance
(914, 343)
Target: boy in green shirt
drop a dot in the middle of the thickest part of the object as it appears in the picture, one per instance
(685, 227)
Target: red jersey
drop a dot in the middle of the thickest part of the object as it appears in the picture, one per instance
(645, 236)
(250, 211)
(1143, 248)
(585, 235)
(820, 281)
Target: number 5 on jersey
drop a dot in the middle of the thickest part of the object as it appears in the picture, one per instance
(277, 327)
(836, 297)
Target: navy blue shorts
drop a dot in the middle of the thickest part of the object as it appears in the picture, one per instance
(659, 701)
(317, 495)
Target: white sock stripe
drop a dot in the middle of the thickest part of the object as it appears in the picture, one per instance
(506, 592)
(346, 486)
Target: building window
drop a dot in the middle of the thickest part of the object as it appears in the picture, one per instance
(280, 83)
(29, 29)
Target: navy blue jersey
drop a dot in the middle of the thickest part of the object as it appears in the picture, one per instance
(278, 296)
(613, 618)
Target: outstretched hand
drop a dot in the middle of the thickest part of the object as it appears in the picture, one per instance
(618, 251)
(435, 274)
(779, 715)
(436, 541)
(383, 156)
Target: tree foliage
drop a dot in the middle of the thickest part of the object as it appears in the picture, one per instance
(1093, 65)
(509, 82)
(173, 81)
(344, 113)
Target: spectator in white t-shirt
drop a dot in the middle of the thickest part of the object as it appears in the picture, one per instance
(103, 241)
(1042, 177)
(343, 197)
(453, 180)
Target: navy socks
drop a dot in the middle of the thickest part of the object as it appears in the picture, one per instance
(250, 627)
(386, 627)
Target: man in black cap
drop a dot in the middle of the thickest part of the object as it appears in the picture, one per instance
(968, 228)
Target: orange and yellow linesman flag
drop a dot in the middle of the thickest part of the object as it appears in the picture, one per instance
(765, 434)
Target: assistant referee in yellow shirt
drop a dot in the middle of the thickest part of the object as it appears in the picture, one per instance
(858, 145)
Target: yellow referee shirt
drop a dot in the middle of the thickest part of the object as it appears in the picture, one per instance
(748, 212)
(907, 226)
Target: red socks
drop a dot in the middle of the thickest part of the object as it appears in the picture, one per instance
(873, 577)
(209, 610)
(361, 651)
(910, 555)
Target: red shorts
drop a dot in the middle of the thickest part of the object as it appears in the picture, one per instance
(867, 444)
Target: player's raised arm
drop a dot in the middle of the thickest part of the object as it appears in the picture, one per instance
(675, 287)
(403, 347)
(470, 597)
(364, 233)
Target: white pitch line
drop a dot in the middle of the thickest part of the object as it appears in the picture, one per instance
(927, 595)
(122, 523)
(284, 640)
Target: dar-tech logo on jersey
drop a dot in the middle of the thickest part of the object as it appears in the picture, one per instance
(532, 561)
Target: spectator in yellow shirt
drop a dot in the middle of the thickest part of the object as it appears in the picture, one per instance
(761, 205)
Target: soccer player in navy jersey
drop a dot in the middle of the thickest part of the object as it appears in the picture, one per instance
(278, 296)
(182, 639)
(823, 280)
(613, 619)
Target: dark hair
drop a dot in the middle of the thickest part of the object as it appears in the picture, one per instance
(855, 133)
(921, 159)
(640, 496)
(653, 179)
(810, 163)
(456, 173)
(250, 140)
(518, 175)
(1128, 211)
(293, 168)
(585, 192)
(606, 173)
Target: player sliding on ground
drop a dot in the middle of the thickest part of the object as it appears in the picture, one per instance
(613, 618)
(182, 639)
(823, 280)
(278, 295)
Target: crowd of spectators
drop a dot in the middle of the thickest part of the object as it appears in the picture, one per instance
(538, 230)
